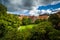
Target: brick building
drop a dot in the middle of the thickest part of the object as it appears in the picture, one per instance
(44, 16)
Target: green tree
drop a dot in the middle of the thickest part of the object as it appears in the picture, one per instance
(54, 35)
(3, 9)
(26, 21)
(54, 18)
(40, 32)
(37, 21)
(9, 24)
(2, 22)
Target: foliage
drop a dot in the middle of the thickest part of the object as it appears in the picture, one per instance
(26, 21)
(37, 21)
(8, 24)
(54, 35)
(3, 9)
(41, 30)
(54, 18)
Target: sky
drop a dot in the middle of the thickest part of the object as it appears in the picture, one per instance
(31, 7)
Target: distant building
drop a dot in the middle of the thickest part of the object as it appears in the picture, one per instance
(22, 16)
(34, 18)
(44, 16)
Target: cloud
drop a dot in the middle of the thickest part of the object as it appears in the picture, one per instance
(34, 12)
(46, 11)
(55, 2)
(30, 6)
(56, 10)
(26, 4)
(50, 11)
(24, 12)
(20, 4)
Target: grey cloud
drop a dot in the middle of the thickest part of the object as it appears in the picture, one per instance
(17, 5)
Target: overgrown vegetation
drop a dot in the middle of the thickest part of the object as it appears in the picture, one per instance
(55, 20)
(8, 24)
(10, 28)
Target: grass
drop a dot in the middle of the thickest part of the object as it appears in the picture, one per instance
(27, 26)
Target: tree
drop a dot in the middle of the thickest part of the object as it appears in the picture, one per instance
(26, 21)
(54, 34)
(54, 18)
(3, 9)
(8, 24)
(40, 32)
(37, 21)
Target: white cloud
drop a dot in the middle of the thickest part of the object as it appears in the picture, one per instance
(27, 4)
(34, 12)
(24, 12)
(15, 2)
(49, 11)
(58, 9)
(12, 12)
(55, 2)
(43, 11)
(46, 11)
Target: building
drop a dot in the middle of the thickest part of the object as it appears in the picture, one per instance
(44, 16)
(22, 16)
(34, 18)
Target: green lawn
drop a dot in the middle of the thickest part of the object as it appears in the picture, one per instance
(27, 26)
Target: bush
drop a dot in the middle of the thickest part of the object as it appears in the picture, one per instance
(40, 32)
(55, 20)
(8, 25)
(3, 9)
(37, 21)
(26, 21)
(54, 35)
